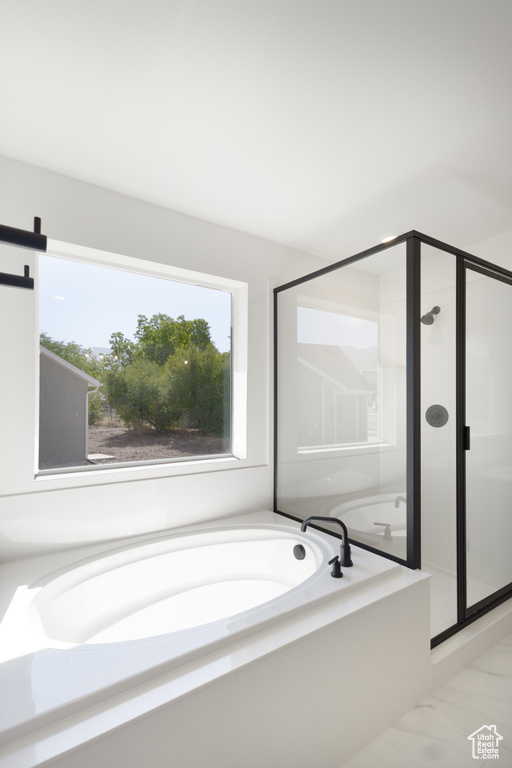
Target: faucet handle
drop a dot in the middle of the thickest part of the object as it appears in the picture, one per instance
(336, 570)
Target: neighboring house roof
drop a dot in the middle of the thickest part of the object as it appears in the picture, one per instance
(333, 364)
(91, 381)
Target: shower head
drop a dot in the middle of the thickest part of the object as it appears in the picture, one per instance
(428, 319)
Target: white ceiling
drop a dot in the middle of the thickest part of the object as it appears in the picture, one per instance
(321, 124)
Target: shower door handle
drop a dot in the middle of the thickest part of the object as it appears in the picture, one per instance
(466, 438)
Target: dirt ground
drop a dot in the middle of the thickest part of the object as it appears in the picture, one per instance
(122, 444)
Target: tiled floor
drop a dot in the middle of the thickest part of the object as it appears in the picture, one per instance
(435, 733)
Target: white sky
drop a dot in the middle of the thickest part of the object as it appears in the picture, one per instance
(85, 303)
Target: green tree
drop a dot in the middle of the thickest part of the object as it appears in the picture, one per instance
(122, 351)
(139, 394)
(159, 337)
(171, 376)
(198, 383)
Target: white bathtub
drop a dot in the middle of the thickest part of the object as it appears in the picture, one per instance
(119, 632)
(172, 584)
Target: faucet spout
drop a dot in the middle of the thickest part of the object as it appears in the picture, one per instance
(345, 553)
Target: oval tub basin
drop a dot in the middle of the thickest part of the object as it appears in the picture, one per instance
(171, 584)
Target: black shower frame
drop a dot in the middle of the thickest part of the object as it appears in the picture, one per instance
(413, 240)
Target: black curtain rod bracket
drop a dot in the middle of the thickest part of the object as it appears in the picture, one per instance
(22, 238)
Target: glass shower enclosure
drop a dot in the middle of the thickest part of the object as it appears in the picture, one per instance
(393, 375)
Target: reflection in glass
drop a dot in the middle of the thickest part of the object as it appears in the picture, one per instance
(338, 381)
(341, 399)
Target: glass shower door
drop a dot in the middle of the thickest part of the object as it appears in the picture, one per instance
(488, 466)
(342, 380)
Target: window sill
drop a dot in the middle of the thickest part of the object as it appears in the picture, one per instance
(348, 450)
(107, 474)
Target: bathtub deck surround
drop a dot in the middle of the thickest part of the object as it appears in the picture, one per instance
(69, 706)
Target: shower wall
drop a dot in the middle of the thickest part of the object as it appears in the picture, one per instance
(438, 387)
(439, 443)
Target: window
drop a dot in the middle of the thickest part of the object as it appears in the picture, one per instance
(134, 367)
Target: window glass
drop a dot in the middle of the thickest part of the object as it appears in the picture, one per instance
(133, 368)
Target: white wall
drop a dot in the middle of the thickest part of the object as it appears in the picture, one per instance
(497, 250)
(38, 515)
